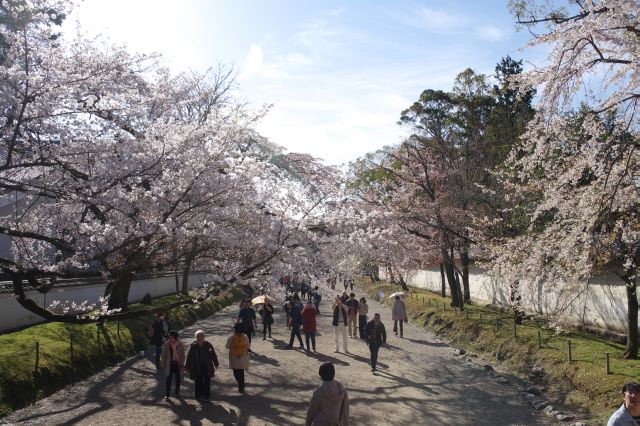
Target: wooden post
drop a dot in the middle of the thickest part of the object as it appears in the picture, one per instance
(515, 329)
(466, 314)
(118, 328)
(37, 356)
(496, 324)
(607, 367)
(410, 295)
(569, 350)
(481, 319)
(444, 305)
(71, 346)
(539, 339)
(423, 300)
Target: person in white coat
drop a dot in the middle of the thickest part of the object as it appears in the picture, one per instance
(398, 315)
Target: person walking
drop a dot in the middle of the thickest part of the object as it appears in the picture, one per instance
(352, 313)
(157, 333)
(363, 311)
(247, 317)
(329, 404)
(340, 325)
(376, 337)
(398, 315)
(309, 314)
(296, 321)
(317, 297)
(239, 346)
(172, 359)
(267, 318)
(201, 365)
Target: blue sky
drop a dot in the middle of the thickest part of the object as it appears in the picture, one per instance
(337, 74)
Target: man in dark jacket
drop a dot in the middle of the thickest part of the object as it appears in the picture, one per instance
(376, 336)
(201, 364)
(157, 333)
(340, 325)
(295, 321)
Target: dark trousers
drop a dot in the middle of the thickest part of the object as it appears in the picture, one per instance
(374, 347)
(158, 351)
(362, 321)
(317, 305)
(249, 332)
(203, 386)
(311, 336)
(295, 331)
(174, 371)
(238, 373)
(395, 327)
(266, 326)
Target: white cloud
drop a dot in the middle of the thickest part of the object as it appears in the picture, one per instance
(491, 33)
(254, 62)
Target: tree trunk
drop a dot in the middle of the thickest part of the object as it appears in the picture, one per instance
(443, 290)
(631, 351)
(403, 283)
(187, 266)
(464, 259)
(118, 290)
(450, 273)
(177, 277)
(459, 286)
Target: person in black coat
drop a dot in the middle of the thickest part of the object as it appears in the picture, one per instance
(267, 317)
(157, 334)
(376, 337)
(201, 364)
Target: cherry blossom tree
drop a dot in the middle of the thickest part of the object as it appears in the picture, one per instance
(576, 171)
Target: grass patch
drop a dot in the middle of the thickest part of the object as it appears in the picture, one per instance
(581, 385)
(93, 349)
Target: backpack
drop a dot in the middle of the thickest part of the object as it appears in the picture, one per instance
(239, 345)
(317, 296)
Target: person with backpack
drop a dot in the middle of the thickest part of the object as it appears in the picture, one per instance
(201, 365)
(172, 361)
(340, 325)
(238, 345)
(266, 313)
(376, 337)
(363, 310)
(296, 321)
(352, 313)
(309, 314)
(157, 333)
(247, 317)
(398, 315)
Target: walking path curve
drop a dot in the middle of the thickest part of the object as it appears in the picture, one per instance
(418, 382)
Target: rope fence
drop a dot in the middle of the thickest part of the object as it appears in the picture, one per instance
(499, 323)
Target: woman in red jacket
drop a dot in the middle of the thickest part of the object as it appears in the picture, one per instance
(309, 314)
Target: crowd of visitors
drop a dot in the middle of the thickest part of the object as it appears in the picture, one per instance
(329, 404)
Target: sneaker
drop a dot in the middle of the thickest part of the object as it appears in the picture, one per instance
(204, 399)
(166, 397)
(288, 347)
(373, 369)
(301, 346)
(264, 338)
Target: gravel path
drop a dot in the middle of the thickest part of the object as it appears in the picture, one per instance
(418, 382)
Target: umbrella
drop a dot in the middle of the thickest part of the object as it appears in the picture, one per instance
(398, 293)
(258, 300)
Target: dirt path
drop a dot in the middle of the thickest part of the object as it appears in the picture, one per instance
(419, 382)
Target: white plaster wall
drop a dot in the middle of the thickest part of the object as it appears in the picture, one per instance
(602, 303)
(13, 315)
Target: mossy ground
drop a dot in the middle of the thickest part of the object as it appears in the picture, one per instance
(581, 385)
(93, 349)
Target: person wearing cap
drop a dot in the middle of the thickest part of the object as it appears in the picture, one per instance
(172, 360)
(201, 364)
(629, 412)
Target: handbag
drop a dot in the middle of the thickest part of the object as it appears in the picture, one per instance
(405, 318)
